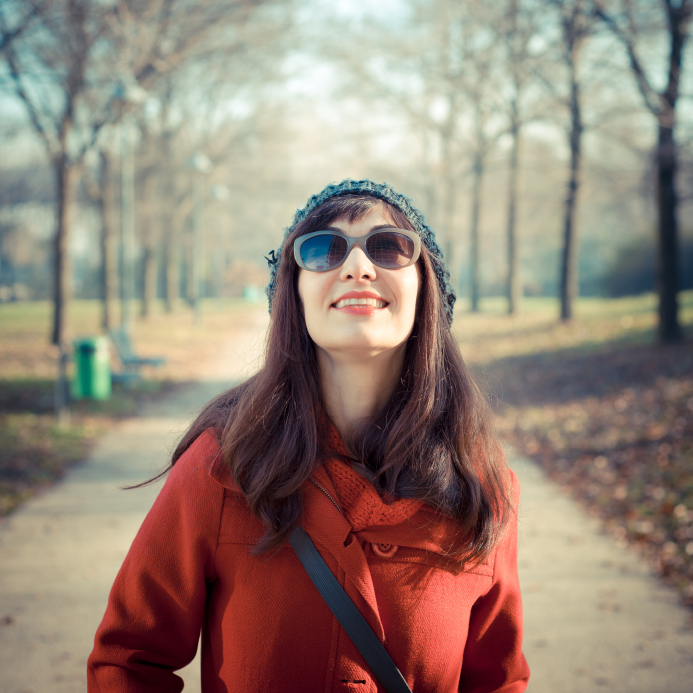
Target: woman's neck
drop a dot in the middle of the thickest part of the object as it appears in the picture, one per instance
(355, 389)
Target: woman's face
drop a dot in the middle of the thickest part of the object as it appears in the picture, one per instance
(384, 324)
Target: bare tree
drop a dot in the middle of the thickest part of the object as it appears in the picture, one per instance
(73, 61)
(517, 25)
(49, 68)
(437, 71)
(151, 198)
(109, 220)
(515, 53)
(479, 86)
(481, 147)
(622, 21)
(101, 186)
(9, 32)
(176, 137)
(71, 64)
(576, 25)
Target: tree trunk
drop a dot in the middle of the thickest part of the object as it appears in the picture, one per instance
(569, 257)
(170, 232)
(448, 213)
(668, 271)
(65, 177)
(447, 210)
(191, 285)
(150, 271)
(127, 226)
(196, 255)
(150, 239)
(109, 240)
(474, 231)
(667, 200)
(514, 284)
(663, 106)
(172, 260)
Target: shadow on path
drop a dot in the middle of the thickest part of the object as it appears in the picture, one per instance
(571, 374)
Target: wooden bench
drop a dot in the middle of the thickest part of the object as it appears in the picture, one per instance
(129, 359)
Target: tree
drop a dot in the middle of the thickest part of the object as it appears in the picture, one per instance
(418, 68)
(437, 69)
(481, 146)
(517, 26)
(662, 105)
(576, 26)
(49, 68)
(195, 116)
(10, 33)
(74, 62)
(100, 184)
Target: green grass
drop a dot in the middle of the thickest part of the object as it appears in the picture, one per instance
(491, 334)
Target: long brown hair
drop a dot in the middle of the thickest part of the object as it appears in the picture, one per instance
(432, 441)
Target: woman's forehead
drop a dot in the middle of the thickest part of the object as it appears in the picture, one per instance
(376, 215)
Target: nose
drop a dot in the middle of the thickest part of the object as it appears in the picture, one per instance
(357, 266)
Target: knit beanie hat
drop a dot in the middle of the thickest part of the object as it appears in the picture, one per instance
(384, 192)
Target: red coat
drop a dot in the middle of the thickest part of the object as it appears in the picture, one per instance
(265, 627)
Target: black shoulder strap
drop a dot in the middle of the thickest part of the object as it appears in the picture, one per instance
(346, 612)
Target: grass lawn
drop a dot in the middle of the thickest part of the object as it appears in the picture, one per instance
(604, 409)
(34, 451)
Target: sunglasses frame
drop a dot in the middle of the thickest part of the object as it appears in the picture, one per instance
(361, 242)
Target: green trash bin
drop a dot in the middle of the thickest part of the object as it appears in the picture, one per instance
(92, 378)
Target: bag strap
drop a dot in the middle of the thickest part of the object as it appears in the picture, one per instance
(348, 615)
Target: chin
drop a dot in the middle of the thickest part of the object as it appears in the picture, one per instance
(364, 346)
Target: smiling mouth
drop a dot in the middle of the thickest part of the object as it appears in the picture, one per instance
(373, 302)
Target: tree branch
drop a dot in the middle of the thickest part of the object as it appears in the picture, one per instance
(653, 99)
(9, 36)
(31, 110)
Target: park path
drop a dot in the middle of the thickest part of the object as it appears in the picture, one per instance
(595, 620)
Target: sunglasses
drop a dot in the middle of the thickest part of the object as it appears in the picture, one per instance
(389, 248)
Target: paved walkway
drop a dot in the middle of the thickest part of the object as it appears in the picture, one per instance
(594, 618)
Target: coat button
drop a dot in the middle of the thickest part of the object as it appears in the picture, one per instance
(384, 550)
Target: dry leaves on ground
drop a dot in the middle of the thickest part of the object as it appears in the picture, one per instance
(616, 428)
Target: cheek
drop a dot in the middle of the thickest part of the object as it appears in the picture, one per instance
(412, 290)
(311, 290)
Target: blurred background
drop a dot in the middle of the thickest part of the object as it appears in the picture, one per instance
(151, 154)
(159, 148)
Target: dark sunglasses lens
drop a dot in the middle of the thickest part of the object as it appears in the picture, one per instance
(389, 249)
(322, 253)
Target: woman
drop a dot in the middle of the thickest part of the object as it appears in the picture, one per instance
(365, 429)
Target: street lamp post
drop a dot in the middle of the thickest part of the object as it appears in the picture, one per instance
(127, 227)
(217, 193)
